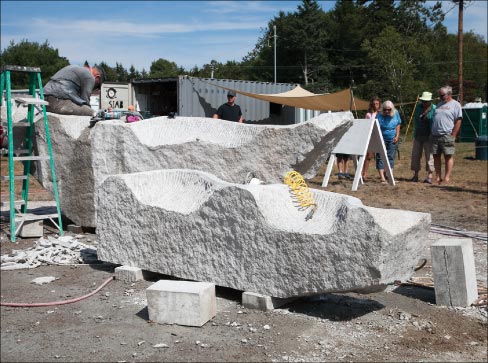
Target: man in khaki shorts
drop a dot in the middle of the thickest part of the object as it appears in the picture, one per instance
(445, 127)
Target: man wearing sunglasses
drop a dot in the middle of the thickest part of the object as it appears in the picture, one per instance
(229, 111)
(445, 128)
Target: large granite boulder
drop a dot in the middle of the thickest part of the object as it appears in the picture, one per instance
(192, 225)
(85, 156)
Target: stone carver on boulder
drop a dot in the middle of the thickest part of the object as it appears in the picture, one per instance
(68, 91)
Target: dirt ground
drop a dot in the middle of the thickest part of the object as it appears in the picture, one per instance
(401, 323)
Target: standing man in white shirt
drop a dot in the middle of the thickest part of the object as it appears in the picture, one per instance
(445, 128)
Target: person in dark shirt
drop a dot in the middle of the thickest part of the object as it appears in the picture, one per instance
(229, 111)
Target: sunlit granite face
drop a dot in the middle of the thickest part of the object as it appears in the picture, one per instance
(195, 226)
(85, 156)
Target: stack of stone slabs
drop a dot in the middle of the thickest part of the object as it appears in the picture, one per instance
(195, 226)
(85, 156)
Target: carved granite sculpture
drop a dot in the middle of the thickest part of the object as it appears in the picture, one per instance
(85, 156)
(195, 226)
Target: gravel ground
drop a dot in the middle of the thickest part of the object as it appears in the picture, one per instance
(401, 323)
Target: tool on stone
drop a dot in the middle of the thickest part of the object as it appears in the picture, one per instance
(300, 192)
(100, 116)
(18, 209)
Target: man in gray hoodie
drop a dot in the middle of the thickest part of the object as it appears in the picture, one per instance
(68, 91)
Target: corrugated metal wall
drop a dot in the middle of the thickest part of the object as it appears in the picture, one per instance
(197, 97)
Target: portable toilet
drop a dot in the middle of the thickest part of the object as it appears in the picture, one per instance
(474, 122)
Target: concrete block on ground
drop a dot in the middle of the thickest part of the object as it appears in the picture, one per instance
(454, 272)
(181, 302)
(31, 229)
(73, 228)
(230, 150)
(195, 226)
(252, 300)
(128, 273)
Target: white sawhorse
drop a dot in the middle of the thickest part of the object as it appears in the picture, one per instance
(364, 136)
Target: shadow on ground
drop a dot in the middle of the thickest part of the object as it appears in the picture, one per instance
(334, 307)
(425, 294)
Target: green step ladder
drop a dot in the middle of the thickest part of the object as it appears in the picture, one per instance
(18, 209)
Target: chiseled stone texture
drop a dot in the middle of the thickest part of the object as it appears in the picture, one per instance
(194, 226)
(85, 156)
(181, 302)
(71, 146)
(454, 272)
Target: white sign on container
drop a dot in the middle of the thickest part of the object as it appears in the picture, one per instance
(115, 95)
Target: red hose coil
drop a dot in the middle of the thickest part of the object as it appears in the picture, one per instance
(59, 302)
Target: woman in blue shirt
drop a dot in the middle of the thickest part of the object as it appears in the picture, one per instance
(390, 122)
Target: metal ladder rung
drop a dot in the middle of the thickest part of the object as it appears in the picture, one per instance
(31, 101)
(20, 217)
(16, 151)
(15, 68)
(17, 202)
(25, 158)
(16, 177)
(16, 124)
(34, 101)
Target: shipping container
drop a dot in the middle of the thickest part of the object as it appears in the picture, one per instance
(200, 97)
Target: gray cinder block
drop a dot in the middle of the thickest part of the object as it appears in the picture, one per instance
(181, 302)
(128, 273)
(74, 228)
(454, 272)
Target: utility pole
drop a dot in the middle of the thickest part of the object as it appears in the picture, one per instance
(274, 29)
(460, 51)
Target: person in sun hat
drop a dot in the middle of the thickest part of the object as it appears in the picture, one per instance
(445, 128)
(424, 115)
(69, 89)
(229, 111)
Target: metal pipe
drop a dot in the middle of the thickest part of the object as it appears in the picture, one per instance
(274, 29)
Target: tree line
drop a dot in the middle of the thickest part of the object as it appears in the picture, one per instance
(391, 49)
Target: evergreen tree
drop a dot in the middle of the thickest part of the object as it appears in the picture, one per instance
(32, 54)
(162, 68)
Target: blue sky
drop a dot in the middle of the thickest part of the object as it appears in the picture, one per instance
(188, 33)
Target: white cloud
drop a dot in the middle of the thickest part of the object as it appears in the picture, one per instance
(237, 7)
(125, 28)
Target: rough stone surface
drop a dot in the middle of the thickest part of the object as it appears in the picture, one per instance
(84, 156)
(251, 300)
(71, 145)
(19, 117)
(454, 272)
(32, 229)
(181, 302)
(253, 238)
(128, 273)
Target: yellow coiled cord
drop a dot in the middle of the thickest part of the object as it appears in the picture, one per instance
(300, 192)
